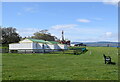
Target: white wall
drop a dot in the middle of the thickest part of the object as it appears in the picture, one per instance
(40, 46)
(20, 46)
(37, 45)
(63, 46)
(57, 46)
(49, 46)
(26, 44)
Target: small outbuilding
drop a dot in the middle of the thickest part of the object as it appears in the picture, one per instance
(36, 45)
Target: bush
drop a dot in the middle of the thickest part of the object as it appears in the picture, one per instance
(13, 51)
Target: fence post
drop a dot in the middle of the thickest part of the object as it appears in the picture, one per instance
(25, 51)
(63, 51)
(90, 52)
(53, 50)
(43, 50)
(9, 51)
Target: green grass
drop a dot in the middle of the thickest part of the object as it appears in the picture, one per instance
(3, 46)
(61, 66)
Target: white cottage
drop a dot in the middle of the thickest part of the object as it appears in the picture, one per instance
(35, 45)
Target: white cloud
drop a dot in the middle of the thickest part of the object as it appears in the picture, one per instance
(83, 20)
(67, 26)
(111, 2)
(85, 34)
(32, 9)
(108, 34)
(98, 40)
(19, 13)
(24, 32)
(29, 9)
(74, 32)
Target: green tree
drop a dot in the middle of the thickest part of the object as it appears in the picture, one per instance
(9, 35)
(44, 35)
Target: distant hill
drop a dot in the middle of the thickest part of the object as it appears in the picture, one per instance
(101, 44)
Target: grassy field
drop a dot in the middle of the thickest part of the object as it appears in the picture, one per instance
(88, 66)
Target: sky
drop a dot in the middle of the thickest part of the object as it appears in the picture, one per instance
(81, 21)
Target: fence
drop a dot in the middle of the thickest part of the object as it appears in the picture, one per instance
(4, 50)
(76, 51)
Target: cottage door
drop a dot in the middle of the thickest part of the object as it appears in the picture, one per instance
(43, 47)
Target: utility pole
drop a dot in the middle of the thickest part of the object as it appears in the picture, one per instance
(62, 35)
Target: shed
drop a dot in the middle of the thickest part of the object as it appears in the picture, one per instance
(36, 45)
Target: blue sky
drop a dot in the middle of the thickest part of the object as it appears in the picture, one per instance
(81, 21)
